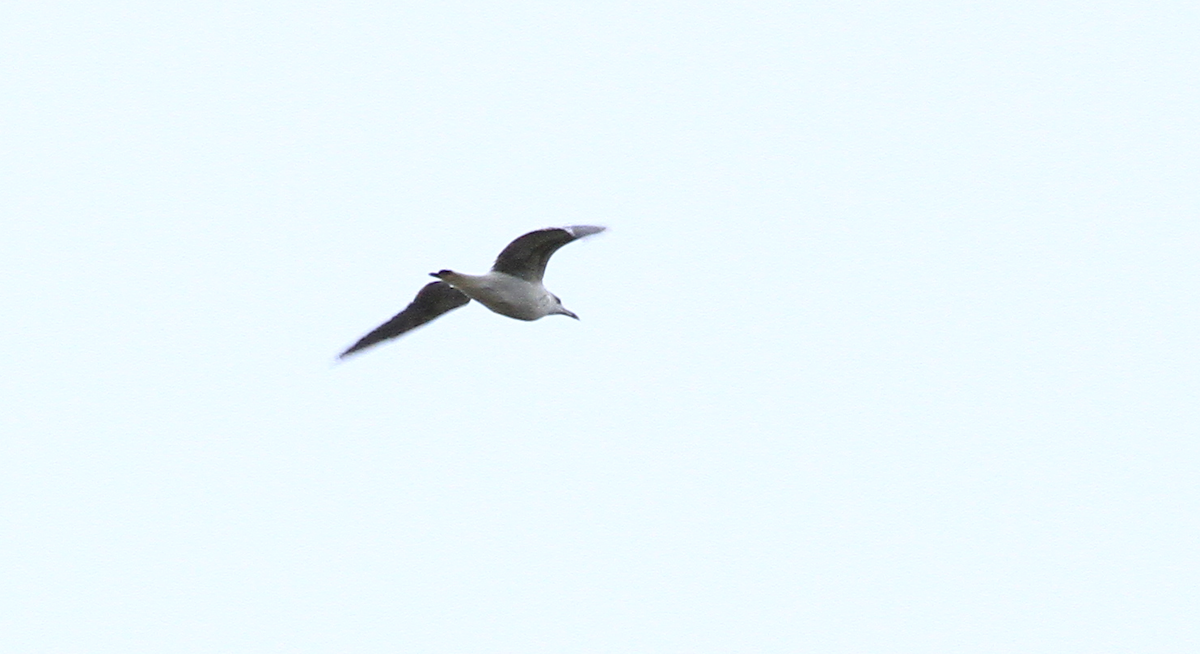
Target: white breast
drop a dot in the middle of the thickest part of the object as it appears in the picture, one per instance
(505, 294)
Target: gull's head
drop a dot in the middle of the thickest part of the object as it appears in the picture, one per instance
(559, 309)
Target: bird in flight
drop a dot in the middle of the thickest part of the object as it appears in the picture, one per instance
(513, 288)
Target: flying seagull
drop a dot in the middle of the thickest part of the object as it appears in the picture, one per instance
(513, 288)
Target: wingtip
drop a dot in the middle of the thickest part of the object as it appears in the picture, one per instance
(579, 231)
(355, 349)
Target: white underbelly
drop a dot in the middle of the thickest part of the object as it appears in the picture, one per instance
(506, 295)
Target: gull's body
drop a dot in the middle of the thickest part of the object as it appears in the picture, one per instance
(512, 288)
(506, 294)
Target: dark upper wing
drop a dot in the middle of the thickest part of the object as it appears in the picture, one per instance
(433, 300)
(526, 257)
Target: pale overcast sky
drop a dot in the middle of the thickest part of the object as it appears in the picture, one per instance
(892, 344)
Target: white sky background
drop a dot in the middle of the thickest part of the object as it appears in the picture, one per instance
(892, 345)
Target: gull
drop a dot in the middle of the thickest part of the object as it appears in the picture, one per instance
(512, 288)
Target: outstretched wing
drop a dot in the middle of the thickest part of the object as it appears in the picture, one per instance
(527, 256)
(433, 300)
